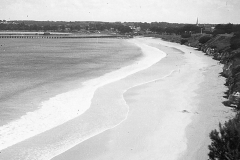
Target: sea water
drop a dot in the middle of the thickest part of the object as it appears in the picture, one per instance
(39, 77)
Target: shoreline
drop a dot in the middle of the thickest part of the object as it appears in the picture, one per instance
(161, 99)
(121, 148)
(141, 64)
(109, 142)
(47, 109)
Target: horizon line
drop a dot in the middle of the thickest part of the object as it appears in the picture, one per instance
(114, 21)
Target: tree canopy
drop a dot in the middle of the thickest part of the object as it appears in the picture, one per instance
(226, 142)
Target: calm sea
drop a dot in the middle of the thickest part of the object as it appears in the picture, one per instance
(33, 71)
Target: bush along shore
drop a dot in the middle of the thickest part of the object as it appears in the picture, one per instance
(225, 141)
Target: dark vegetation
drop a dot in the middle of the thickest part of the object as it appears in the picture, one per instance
(185, 35)
(179, 30)
(183, 41)
(226, 142)
(235, 41)
(228, 28)
(204, 39)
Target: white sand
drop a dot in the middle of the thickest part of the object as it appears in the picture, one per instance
(175, 105)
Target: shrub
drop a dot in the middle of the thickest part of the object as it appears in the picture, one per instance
(183, 41)
(186, 35)
(218, 31)
(235, 41)
(224, 28)
(213, 46)
(204, 39)
(236, 28)
(225, 144)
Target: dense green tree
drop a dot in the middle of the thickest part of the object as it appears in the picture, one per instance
(183, 41)
(22, 26)
(171, 30)
(77, 27)
(62, 27)
(218, 31)
(124, 29)
(225, 143)
(46, 27)
(189, 28)
(236, 28)
(204, 39)
(185, 35)
(157, 29)
(228, 28)
(235, 41)
(224, 28)
(34, 27)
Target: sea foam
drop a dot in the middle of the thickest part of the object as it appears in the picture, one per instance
(69, 105)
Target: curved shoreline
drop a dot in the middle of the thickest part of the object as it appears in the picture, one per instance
(157, 111)
(143, 63)
(47, 112)
(156, 107)
(103, 138)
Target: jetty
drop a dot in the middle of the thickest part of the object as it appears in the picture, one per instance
(58, 36)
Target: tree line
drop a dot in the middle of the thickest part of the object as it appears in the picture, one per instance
(189, 28)
(70, 27)
(156, 27)
(88, 25)
(226, 28)
(123, 28)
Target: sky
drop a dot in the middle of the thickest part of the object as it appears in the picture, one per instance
(173, 11)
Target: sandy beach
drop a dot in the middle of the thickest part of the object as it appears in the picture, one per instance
(164, 110)
(172, 109)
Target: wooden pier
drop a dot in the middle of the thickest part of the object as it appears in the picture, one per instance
(60, 36)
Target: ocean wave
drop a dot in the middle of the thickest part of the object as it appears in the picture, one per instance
(69, 105)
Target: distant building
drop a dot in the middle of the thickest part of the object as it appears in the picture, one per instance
(138, 29)
(67, 29)
(208, 28)
(148, 31)
(132, 27)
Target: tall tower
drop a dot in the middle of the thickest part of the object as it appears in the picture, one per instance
(197, 22)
